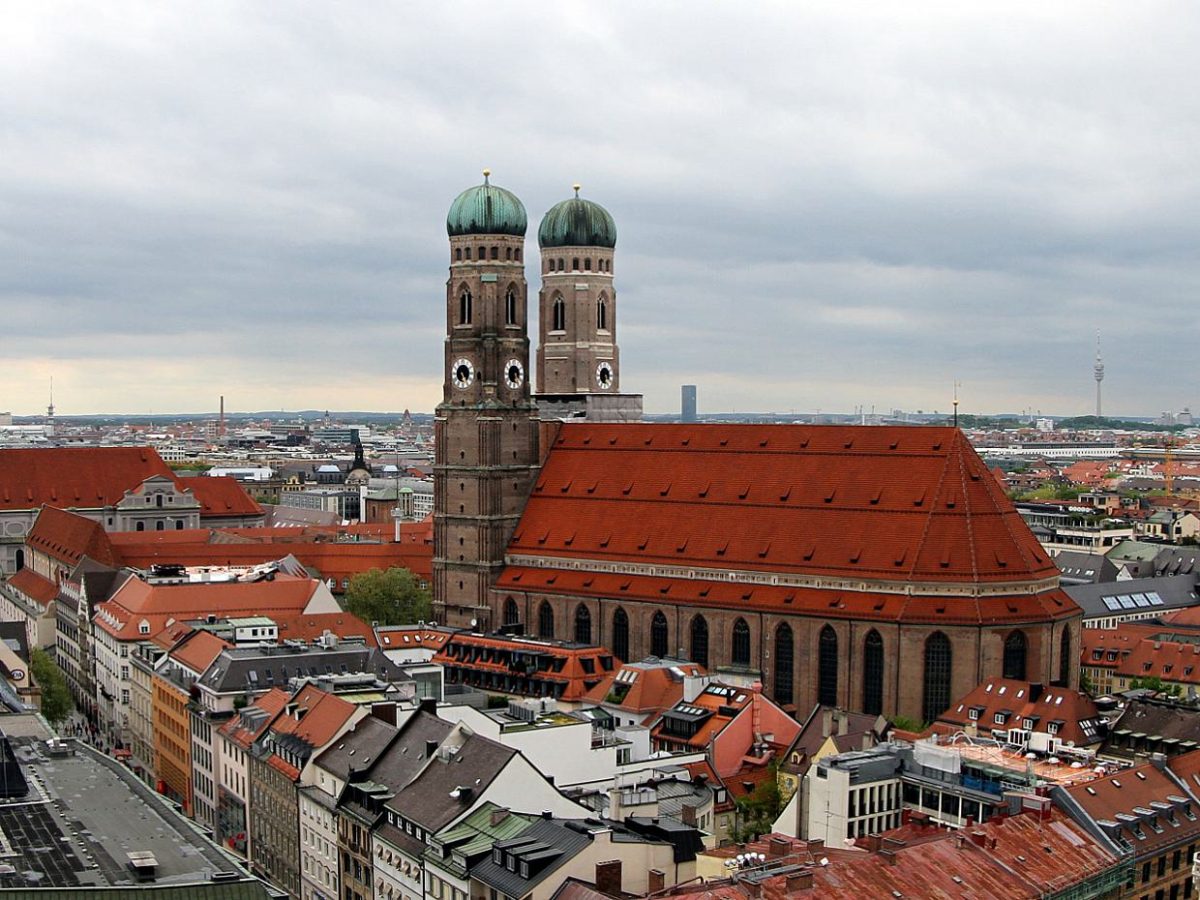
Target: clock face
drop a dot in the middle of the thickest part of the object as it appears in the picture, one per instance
(462, 373)
(604, 375)
(514, 373)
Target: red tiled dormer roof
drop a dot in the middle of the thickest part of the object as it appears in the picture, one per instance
(882, 503)
(198, 650)
(1073, 713)
(1138, 803)
(243, 734)
(84, 477)
(644, 689)
(313, 716)
(68, 537)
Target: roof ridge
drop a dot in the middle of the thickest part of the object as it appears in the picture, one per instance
(959, 438)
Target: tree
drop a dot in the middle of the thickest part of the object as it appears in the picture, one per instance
(388, 596)
(56, 698)
(757, 812)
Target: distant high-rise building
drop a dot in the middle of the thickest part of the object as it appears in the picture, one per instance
(1098, 369)
(688, 409)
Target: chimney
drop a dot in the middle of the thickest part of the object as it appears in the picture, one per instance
(874, 842)
(816, 844)
(826, 722)
(687, 815)
(608, 877)
(978, 838)
(752, 889)
(799, 881)
(385, 712)
(778, 846)
(498, 816)
(888, 856)
(1035, 691)
(656, 880)
(843, 721)
(616, 811)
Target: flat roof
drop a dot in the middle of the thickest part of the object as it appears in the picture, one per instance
(84, 819)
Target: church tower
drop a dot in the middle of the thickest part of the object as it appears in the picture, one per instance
(485, 428)
(579, 364)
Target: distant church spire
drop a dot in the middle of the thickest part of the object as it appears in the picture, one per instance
(1098, 370)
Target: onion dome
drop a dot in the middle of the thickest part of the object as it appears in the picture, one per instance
(577, 223)
(486, 209)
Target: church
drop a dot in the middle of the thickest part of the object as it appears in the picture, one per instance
(878, 569)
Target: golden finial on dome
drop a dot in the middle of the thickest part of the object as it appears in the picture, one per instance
(577, 186)
(486, 173)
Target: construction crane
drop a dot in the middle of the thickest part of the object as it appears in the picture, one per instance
(1169, 464)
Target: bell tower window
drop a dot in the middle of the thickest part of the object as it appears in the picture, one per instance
(464, 308)
(602, 315)
(560, 315)
(510, 307)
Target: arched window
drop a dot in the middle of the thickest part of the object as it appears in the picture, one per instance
(467, 253)
(1064, 657)
(620, 635)
(739, 649)
(602, 314)
(587, 265)
(873, 673)
(464, 307)
(158, 500)
(512, 615)
(562, 265)
(583, 625)
(510, 307)
(545, 620)
(827, 667)
(20, 560)
(517, 254)
(141, 526)
(179, 525)
(495, 253)
(575, 264)
(508, 253)
(938, 659)
(458, 254)
(1016, 648)
(658, 635)
(160, 525)
(700, 641)
(559, 321)
(482, 253)
(784, 653)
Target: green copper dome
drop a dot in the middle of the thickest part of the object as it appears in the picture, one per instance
(577, 223)
(486, 209)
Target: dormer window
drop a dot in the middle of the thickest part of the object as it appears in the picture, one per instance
(999, 718)
(1052, 728)
(973, 714)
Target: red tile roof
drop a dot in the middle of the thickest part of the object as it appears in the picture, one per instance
(270, 703)
(313, 716)
(84, 477)
(136, 601)
(220, 496)
(1073, 712)
(1116, 798)
(34, 586)
(470, 657)
(644, 689)
(198, 650)
(310, 626)
(886, 503)
(68, 537)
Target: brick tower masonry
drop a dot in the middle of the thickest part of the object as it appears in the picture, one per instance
(486, 428)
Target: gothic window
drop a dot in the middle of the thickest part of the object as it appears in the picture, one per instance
(602, 314)
(545, 620)
(620, 635)
(510, 307)
(658, 635)
(587, 265)
(512, 615)
(827, 667)
(938, 659)
(559, 322)
(1064, 657)
(873, 673)
(464, 307)
(740, 645)
(1015, 650)
(700, 641)
(583, 625)
(784, 654)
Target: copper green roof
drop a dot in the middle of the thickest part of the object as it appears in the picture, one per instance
(577, 223)
(486, 209)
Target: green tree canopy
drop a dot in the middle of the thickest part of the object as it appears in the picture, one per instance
(388, 596)
(56, 698)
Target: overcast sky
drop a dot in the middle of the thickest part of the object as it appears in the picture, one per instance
(819, 206)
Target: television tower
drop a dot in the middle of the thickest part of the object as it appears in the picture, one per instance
(1098, 370)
